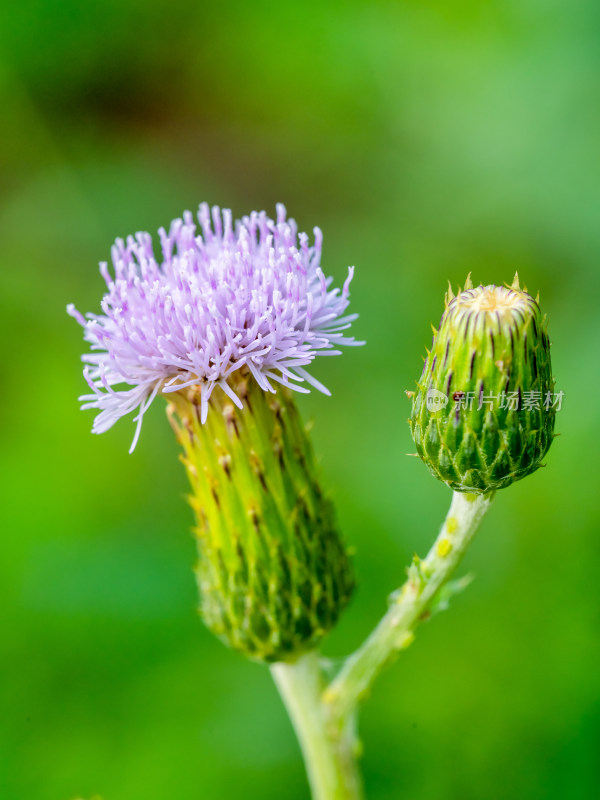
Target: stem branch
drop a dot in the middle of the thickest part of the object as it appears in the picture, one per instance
(408, 606)
(323, 717)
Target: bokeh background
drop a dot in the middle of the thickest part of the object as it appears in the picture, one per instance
(428, 139)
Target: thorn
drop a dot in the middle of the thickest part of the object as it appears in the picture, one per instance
(537, 298)
(449, 295)
(468, 282)
(413, 455)
(515, 283)
(408, 393)
(433, 329)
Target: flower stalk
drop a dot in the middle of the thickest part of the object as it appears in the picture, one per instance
(324, 715)
(329, 755)
(408, 606)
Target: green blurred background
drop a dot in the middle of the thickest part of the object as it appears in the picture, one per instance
(427, 138)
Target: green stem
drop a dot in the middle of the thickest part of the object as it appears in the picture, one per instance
(408, 606)
(323, 717)
(329, 756)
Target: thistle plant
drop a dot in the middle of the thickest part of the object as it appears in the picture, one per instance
(223, 327)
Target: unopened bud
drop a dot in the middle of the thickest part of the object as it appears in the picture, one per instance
(483, 413)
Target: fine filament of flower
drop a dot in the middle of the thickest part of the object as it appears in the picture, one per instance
(250, 294)
(494, 298)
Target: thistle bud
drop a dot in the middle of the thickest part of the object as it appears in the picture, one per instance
(484, 410)
(273, 572)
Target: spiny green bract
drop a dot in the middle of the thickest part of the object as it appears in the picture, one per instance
(483, 413)
(273, 572)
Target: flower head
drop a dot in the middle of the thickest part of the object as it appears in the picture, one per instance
(484, 410)
(246, 295)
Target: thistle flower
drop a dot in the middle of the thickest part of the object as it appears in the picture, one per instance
(484, 410)
(226, 314)
(251, 296)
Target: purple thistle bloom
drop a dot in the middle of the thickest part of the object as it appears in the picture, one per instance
(249, 296)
